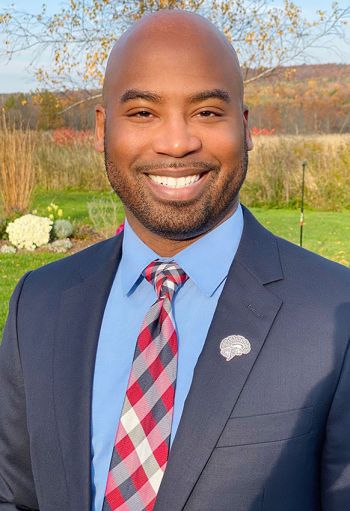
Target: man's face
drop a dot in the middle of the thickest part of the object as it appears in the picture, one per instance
(175, 137)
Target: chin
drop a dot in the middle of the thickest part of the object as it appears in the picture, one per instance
(192, 226)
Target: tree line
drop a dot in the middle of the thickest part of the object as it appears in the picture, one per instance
(296, 100)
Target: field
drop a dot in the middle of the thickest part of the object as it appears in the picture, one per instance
(64, 161)
(274, 177)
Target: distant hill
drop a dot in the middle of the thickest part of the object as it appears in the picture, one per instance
(302, 99)
(306, 72)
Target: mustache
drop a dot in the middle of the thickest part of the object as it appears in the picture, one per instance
(197, 164)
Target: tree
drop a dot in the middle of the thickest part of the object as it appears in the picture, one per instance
(81, 34)
(49, 110)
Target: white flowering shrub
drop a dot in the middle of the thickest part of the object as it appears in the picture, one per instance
(29, 231)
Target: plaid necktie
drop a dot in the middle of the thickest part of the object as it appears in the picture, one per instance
(141, 446)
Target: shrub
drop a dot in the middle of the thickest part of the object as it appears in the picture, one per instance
(29, 231)
(105, 214)
(65, 136)
(62, 229)
(83, 232)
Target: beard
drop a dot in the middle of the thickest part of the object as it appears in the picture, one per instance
(179, 220)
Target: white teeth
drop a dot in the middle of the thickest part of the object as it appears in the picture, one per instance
(175, 182)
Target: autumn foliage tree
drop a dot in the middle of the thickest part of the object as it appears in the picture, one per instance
(303, 99)
(49, 110)
(81, 33)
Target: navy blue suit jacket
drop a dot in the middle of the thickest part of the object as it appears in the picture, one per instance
(267, 431)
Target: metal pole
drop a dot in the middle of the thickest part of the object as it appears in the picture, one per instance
(302, 203)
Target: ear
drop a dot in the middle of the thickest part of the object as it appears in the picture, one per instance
(248, 136)
(100, 128)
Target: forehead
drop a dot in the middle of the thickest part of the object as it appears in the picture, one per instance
(173, 66)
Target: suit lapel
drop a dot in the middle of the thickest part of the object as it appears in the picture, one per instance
(76, 337)
(246, 307)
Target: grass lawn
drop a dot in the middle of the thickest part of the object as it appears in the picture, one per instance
(327, 233)
(72, 202)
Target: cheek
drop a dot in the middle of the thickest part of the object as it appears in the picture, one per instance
(225, 143)
(125, 144)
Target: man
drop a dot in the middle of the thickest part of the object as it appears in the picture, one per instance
(261, 418)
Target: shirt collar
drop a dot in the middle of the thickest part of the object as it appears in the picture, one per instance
(206, 261)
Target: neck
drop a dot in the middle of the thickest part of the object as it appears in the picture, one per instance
(165, 247)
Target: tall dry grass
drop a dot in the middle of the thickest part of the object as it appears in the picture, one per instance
(73, 165)
(17, 170)
(275, 172)
(274, 176)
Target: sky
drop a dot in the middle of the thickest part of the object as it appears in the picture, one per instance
(18, 74)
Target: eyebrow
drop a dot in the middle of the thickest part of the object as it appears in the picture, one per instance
(211, 94)
(131, 94)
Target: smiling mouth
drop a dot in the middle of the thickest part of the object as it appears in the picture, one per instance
(175, 182)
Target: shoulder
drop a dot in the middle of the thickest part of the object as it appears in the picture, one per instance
(293, 259)
(317, 286)
(296, 275)
(65, 272)
(297, 260)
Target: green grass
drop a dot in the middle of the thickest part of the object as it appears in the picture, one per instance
(72, 202)
(327, 233)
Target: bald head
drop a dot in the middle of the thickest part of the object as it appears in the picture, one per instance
(184, 35)
(173, 127)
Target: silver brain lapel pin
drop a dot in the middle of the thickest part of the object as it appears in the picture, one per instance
(234, 346)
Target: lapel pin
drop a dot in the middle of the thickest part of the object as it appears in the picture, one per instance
(234, 346)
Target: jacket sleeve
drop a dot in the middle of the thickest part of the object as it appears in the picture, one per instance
(336, 452)
(17, 489)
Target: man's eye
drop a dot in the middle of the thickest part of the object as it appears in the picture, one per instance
(143, 114)
(208, 113)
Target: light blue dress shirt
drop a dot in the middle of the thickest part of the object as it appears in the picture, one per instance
(206, 262)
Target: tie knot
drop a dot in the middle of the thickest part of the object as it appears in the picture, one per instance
(165, 277)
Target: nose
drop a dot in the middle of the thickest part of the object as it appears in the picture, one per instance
(175, 139)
